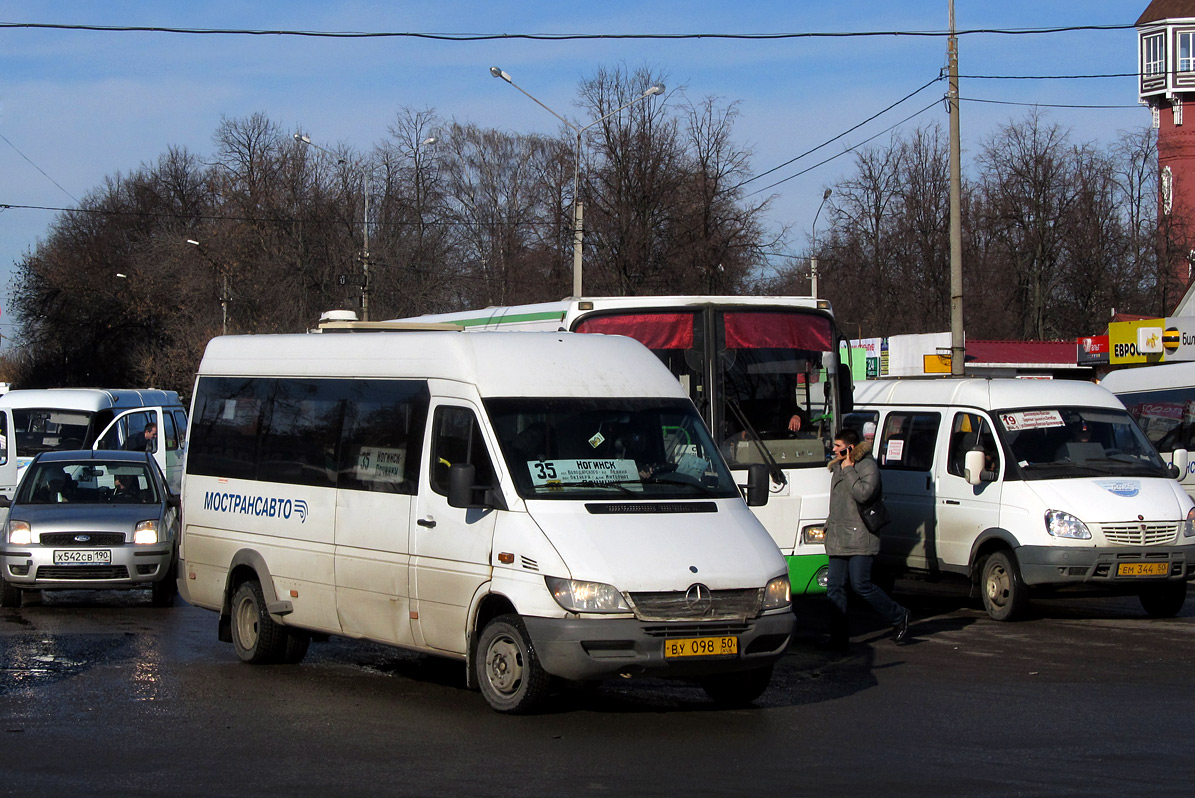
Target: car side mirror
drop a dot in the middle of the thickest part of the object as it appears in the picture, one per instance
(173, 500)
(1179, 460)
(5, 502)
(758, 484)
(973, 463)
(463, 493)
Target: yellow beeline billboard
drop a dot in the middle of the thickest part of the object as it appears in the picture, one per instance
(1150, 341)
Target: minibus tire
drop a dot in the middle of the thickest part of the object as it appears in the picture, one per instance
(10, 595)
(508, 670)
(737, 689)
(255, 636)
(1163, 601)
(1004, 592)
(295, 649)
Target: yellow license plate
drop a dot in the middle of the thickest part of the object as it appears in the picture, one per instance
(701, 647)
(1143, 569)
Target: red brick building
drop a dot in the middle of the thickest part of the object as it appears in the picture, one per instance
(1166, 83)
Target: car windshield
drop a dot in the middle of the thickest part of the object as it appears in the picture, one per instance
(609, 448)
(1061, 442)
(90, 482)
(46, 430)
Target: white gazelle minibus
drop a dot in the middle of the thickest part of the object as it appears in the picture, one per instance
(35, 420)
(535, 504)
(1027, 487)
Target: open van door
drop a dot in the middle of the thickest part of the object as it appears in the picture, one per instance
(128, 431)
(8, 455)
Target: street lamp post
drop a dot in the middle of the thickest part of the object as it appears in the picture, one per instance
(223, 293)
(813, 244)
(578, 209)
(304, 139)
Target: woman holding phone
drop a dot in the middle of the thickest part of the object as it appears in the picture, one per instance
(851, 546)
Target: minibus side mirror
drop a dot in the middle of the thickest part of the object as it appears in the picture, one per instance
(758, 484)
(973, 463)
(1179, 460)
(463, 493)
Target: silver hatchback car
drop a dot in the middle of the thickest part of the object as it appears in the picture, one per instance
(90, 520)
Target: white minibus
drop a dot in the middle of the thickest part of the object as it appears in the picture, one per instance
(1161, 399)
(1027, 487)
(536, 505)
(38, 420)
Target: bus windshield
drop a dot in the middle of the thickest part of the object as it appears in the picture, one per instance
(754, 372)
(608, 448)
(1061, 442)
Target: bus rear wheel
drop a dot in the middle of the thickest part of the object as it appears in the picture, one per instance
(257, 638)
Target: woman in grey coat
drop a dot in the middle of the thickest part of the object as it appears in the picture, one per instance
(852, 547)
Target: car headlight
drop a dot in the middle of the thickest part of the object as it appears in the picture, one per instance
(814, 534)
(1065, 525)
(777, 594)
(146, 532)
(576, 596)
(1189, 526)
(20, 533)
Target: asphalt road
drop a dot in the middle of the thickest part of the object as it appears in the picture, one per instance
(103, 695)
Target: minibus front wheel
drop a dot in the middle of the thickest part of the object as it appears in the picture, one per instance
(1005, 594)
(508, 670)
(1163, 601)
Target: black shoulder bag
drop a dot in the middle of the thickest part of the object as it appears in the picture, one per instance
(874, 513)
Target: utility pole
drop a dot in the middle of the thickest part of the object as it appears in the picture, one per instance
(365, 253)
(957, 349)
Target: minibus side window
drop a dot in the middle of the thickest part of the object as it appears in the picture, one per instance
(170, 434)
(180, 424)
(968, 432)
(301, 433)
(228, 413)
(457, 438)
(382, 443)
(3, 439)
(908, 441)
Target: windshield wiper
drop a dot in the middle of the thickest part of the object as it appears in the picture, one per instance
(774, 470)
(660, 480)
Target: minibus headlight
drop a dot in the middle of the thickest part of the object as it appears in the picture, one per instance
(19, 533)
(814, 534)
(146, 532)
(1189, 526)
(576, 596)
(777, 594)
(1065, 525)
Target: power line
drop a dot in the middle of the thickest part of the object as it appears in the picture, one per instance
(847, 150)
(1052, 77)
(1041, 105)
(38, 168)
(555, 37)
(908, 96)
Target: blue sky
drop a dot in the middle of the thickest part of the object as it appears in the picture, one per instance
(81, 106)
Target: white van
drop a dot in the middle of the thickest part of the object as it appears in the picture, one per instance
(39, 420)
(1027, 487)
(534, 504)
(1161, 399)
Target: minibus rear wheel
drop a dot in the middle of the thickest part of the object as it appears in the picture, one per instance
(508, 670)
(255, 636)
(1164, 601)
(1004, 592)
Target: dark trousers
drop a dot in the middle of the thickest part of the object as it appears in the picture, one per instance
(857, 569)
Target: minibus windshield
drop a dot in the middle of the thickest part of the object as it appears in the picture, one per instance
(48, 429)
(1061, 442)
(576, 448)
